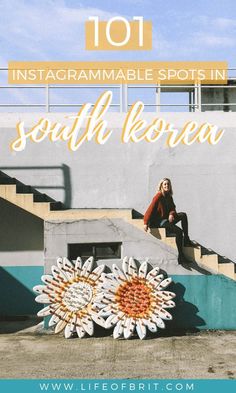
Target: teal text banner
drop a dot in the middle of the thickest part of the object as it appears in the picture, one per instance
(117, 385)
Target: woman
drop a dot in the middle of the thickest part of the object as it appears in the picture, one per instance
(162, 213)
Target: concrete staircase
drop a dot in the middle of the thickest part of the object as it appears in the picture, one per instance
(199, 254)
(26, 197)
(41, 205)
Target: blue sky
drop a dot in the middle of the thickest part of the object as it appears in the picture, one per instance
(54, 30)
(50, 30)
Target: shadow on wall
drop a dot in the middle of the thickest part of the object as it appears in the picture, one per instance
(19, 230)
(17, 297)
(185, 314)
(49, 173)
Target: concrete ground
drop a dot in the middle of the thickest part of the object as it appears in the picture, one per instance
(27, 352)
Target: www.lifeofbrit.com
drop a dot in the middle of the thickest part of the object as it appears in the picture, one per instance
(117, 387)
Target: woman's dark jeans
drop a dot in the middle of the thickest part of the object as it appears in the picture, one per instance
(179, 233)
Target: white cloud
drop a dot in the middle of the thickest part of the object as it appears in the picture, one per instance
(43, 30)
(212, 40)
(217, 22)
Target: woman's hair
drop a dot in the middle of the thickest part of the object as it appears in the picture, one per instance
(160, 185)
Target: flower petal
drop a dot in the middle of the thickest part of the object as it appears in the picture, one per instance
(98, 319)
(68, 269)
(150, 325)
(143, 269)
(118, 330)
(141, 329)
(45, 312)
(133, 270)
(165, 295)
(155, 281)
(42, 298)
(58, 274)
(129, 326)
(58, 314)
(79, 329)
(60, 326)
(153, 273)
(47, 278)
(87, 267)
(78, 266)
(162, 313)
(87, 324)
(113, 319)
(53, 320)
(125, 267)
(168, 304)
(39, 288)
(60, 262)
(106, 311)
(118, 273)
(68, 331)
(96, 273)
(70, 327)
(165, 283)
(109, 284)
(158, 321)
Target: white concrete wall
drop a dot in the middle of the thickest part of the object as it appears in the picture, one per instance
(119, 175)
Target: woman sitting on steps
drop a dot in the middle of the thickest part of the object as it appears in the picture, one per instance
(161, 213)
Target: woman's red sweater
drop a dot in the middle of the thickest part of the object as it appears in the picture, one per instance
(160, 208)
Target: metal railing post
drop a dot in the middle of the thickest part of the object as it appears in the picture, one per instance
(196, 97)
(47, 106)
(125, 98)
(190, 108)
(193, 100)
(199, 97)
(158, 98)
(121, 98)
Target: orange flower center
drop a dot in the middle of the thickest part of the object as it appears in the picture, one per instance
(134, 298)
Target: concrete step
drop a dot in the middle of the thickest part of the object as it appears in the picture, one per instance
(41, 209)
(159, 233)
(8, 192)
(193, 253)
(138, 223)
(227, 269)
(91, 214)
(25, 201)
(210, 261)
(170, 241)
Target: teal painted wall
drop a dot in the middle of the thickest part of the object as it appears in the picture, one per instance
(202, 301)
(16, 283)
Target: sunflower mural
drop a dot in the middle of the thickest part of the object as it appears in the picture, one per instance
(70, 292)
(130, 298)
(133, 298)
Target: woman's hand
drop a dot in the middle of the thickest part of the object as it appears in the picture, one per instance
(171, 218)
(145, 227)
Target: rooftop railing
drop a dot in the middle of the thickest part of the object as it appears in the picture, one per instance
(156, 98)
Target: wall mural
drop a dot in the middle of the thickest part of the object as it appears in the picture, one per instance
(70, 292)
(132, 299)
(127, 299)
